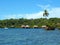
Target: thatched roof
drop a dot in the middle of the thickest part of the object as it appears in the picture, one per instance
(44, 26)
(35, 26)
(22, 25)
(27, 26)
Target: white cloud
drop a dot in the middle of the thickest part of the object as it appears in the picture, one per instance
(13, 16)
(10, 16)
(43, 6)
(35, 15)
(53, 12)
(28, 16)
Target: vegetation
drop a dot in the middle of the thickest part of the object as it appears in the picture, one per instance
(45, 14)
(16, 23)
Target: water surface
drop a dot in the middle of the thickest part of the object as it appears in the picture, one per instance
(18, 36)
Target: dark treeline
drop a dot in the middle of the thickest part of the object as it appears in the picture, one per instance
(16, 23)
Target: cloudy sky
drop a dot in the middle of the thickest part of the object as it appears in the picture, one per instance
(28, 8)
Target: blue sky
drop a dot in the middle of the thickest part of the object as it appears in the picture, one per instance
(28, 8)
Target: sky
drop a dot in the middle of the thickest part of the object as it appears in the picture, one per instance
(30, 9)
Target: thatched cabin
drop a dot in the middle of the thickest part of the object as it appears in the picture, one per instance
(43, 26)
(22, 26)
(35, 26)
(27, 26)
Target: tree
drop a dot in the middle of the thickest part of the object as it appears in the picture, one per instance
(45, 14)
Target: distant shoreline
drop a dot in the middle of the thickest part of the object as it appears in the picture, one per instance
(31, 23)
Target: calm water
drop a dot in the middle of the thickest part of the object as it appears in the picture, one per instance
(29, 37)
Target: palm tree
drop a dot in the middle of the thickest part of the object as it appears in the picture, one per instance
(45, 14)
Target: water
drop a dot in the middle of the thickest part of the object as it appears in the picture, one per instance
(18, 36)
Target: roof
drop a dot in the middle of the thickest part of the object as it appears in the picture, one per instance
(35, 26)
(27, 26)
(22, 25)
(43, 25)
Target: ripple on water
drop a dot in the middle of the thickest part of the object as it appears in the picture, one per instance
(29, 37)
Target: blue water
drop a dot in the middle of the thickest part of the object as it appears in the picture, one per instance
(18, 36)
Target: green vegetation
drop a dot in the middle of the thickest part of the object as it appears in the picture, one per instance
(45, 14)
(16, 23)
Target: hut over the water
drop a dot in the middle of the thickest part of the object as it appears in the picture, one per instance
(27, 26)
(35, 26)
(22, 26)
(43, 26)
